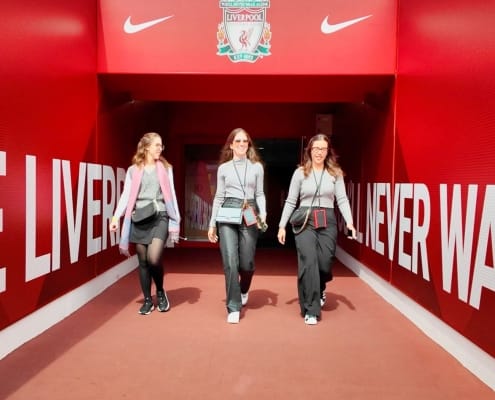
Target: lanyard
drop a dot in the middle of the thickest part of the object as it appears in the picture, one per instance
(239, 178)
(318, 185)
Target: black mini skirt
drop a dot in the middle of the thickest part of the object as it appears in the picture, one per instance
(145, 233)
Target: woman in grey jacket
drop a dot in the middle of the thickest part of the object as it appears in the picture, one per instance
(318, 183)
(239, 185)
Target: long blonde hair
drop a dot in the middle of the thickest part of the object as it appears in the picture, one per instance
(227, 154)
(331, 164)
(139, 158)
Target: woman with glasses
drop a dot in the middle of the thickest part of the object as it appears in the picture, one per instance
(151, 216)
(317, 184)
(240, 186)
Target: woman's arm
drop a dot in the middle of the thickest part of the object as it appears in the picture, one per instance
(219, 196)
(292, 197)
(259, 191)
(124, 199)
(174, 196)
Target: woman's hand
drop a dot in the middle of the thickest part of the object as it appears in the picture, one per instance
(113, 224)
(261, 224)
(350, 227)
(212, 234)
(281, 235)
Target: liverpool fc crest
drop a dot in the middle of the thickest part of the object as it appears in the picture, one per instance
(244, 35)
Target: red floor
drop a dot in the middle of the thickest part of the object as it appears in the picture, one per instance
(361, 349)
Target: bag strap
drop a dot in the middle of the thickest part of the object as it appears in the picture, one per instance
(318, 186)
(308, 211)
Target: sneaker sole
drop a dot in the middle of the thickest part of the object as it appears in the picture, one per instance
(310, 320)
(164, 309)
(146, 313)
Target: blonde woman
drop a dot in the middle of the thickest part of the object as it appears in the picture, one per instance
(149, 185)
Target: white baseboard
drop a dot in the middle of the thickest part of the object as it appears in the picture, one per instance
(466, 352)
(34, 324)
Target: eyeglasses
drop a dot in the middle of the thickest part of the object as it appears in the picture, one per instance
(241, 141)
(319, 149)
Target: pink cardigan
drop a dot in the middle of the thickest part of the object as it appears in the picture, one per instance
(168, 197)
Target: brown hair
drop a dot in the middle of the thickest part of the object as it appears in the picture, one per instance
(331, 164)
(139, 157)
(226, 154)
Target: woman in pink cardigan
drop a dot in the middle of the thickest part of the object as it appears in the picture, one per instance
(149, 185)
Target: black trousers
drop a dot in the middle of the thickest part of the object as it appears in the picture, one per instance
(315, 257)
(238, 247)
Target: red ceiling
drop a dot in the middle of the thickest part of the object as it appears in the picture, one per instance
(246, 88)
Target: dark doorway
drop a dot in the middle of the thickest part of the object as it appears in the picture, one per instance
(281, 157)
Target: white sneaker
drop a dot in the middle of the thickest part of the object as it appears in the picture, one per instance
(244, 298)
(310, 319)
(233, 317)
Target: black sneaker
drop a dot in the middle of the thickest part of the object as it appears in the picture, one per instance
(163, 304)
(323, 299)
(147, 307)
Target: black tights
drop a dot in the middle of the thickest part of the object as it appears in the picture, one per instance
(150, 266)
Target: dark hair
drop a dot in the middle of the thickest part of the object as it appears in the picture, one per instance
(226, 154)
(331, 164)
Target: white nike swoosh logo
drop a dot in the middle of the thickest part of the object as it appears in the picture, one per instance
(327, 28)
(129, 27)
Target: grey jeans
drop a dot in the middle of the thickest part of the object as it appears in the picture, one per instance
(237, 247)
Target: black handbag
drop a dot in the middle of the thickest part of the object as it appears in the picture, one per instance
(300, 216)
(299, 219)
(145, 215)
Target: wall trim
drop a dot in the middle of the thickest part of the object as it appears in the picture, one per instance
(34, 324)
(480, 363)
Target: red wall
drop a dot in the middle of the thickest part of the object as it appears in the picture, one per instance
(364, 139)
(437, 246)
(49, 101)
(188, 42)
